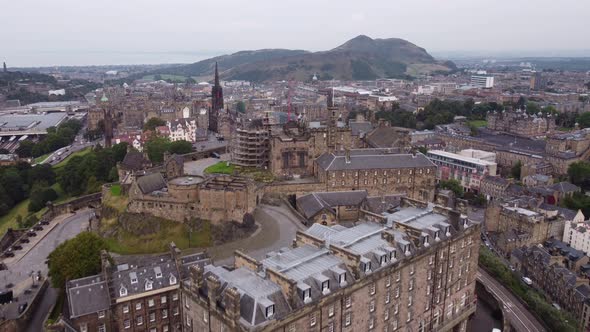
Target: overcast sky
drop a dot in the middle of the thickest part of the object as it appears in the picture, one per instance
(47, 32)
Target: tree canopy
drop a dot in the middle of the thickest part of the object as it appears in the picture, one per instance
(156, 146)
(76, 258)
(584, 120)
(452, 185)
(152, 123)
(516, 170)
(579, 174)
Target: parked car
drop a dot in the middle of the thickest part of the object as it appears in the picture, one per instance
(31, 234)
(215, 155)
(17, 247)
(527, 280)
(38, 228)
(24, 240)
(22, 307)
(8, 254)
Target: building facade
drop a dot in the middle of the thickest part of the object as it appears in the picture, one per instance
(372, 277)
(468, 171)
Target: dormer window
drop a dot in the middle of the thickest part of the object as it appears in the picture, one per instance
(326, 286)
(448, 231)
(172, 279)
(342, 278)
(426, 240)
(133, 277)
(393, 255)
(437, 235)
(149, 285)
(406, 249)
(367, 267)
(123, 291)
(307, 295)
(158, 272)
(383, 260)
(270, 311)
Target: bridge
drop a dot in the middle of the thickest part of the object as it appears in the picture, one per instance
(516, 317)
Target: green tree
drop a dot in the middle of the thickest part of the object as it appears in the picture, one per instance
(12, 181)
(42, 174)
(152, 123)
(156, 147)
(25, 149)
(120, 151)
(76, 258)
(579, 174)
(39, 198)
(578, 201)
(241, 106)
(452, 185)
(180, 147)
(584, 120)
(516, 170)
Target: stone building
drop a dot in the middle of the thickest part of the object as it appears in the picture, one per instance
(378, 171)
(547, 267)
(217, 199)
(184, 129)
(133, 293)
(520, 123)
(330, 208)
(515, 224)
(416, 272)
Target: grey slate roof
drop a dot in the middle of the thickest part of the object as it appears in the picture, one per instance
(133, 273)
(380, 204)
(151, 182)
(134, 161)
(565, 187)
(358, 128)
(313, 203)
(87, 295)
(372, 159)
(386, 137)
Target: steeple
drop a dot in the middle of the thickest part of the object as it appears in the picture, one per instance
(216, 75)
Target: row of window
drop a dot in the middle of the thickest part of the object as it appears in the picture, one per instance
(151, 317)
(376, 172)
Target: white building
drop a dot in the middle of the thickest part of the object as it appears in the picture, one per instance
(467, 170)
(482, 81)
(183, 129)
(577, 233)
(479, 154)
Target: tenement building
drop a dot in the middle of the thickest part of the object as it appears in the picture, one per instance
(521, 123)
(378, 171)
(414, 272)
(132, 293)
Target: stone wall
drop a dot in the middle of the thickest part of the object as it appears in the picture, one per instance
(22, 322)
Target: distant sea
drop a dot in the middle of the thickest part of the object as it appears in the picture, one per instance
(87, 58)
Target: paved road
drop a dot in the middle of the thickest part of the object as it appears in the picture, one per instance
(36, 322)
(197, 167)
(33, 255)
(520, 318)
(277, 230)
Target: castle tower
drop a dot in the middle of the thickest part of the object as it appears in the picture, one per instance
(4, 68)
(216, 102)
(108, 121)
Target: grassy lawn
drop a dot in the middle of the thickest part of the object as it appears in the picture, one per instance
(221, 168)
(170, 231)
(116, 190)
(43, 157)
(478, 123)
(22, 209)
(68, 158)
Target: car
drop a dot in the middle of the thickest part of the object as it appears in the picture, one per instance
(44, 222)
(31, 234)
(22, 307)
(17, 247)
(215, 155)
(38, 228)
(8, 254)
(24, 240)
(527, 280)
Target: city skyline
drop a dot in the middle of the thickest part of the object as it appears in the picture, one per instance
(182, 31)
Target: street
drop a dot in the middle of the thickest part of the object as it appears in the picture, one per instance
(521, 319)
(33, 255)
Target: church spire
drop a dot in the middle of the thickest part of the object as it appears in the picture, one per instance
(216, 75)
